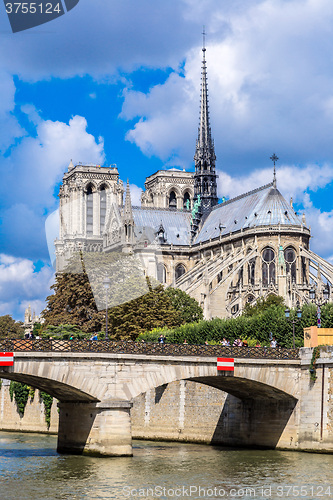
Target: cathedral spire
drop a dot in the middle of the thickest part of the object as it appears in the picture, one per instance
(128, 214)
(205, 186)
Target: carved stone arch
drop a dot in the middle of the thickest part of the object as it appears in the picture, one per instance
(180, 269)
(269, 258)
(172, 196)
(90, 185)
(103, 184)
(290, 254)
(174, 188)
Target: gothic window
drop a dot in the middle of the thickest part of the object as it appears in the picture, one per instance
(268, 266)
(102, 207)
(172, 200)
(235, 309)
(89, 209)
(290, 259)
(219, 276)
(250, 299)
(187, 201)
(251, 271)
(205, 185)
(179, 271)
(304, 272)
(161, 273)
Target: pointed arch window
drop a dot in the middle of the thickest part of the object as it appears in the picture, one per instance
(172, 200)
(290, 259)
(102, 207)
(268, 266)
(252, 271)
(179, 271)
(205, 185)
(89, 209)
(187, 201)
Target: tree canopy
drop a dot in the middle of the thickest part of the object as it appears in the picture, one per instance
(74, 301)
(10, 328)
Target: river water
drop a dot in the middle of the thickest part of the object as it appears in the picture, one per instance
(31, 469)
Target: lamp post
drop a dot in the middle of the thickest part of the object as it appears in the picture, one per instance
(319, 300)
(293, 321)
(106, 283)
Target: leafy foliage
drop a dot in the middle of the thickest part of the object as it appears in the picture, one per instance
(313, 368)
(47, 401)
(258, 326)
(152, 310)
(21, 394)
(10, 328)
(263, 304)
(73, 301)
(187, 307)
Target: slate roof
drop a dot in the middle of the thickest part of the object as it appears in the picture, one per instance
(176, 224)
(260, 207)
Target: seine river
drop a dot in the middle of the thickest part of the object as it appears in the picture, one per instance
(31, 469)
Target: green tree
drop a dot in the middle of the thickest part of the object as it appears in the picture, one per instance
(187, 307)
(152, 310)
(10, 328)
(263, 304)
(73, 301)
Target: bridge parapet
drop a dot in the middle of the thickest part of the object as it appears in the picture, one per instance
(146, 348)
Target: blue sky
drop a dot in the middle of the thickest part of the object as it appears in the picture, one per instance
(119, 82)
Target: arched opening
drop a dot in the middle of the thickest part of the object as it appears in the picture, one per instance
(179, 271)
(252, 271)
(172, 200)
(89, 210)
(268, 266)
(102, 207)
(290, 259)
(205, 185)
(187, 201)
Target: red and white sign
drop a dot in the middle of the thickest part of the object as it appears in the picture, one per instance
(226, 364)
(6, 358)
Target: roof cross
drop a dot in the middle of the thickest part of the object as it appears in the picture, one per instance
(274, 158)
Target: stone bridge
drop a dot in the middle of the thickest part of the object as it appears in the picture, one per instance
(95, 392)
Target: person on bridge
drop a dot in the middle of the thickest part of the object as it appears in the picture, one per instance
(274, 342)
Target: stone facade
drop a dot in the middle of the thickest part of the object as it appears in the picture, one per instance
(225, 254)
(169, 189)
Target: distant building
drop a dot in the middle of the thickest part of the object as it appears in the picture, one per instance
(30, 319)
(224, 254)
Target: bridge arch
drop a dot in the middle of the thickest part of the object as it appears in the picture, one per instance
(62, 392)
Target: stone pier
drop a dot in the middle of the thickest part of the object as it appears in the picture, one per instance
(95, 428)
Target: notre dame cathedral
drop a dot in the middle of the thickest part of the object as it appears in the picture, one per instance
(223, 254)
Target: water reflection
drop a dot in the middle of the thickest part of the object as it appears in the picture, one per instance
(30, 468)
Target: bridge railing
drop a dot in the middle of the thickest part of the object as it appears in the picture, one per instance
(148, 348)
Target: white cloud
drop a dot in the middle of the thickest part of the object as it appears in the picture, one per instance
(35, 166)
(270, 89)
(136, 192)
(20, 285)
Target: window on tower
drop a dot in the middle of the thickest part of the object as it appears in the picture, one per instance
(89, 209)
(102, 207)
(172, 200)
(187, 201)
